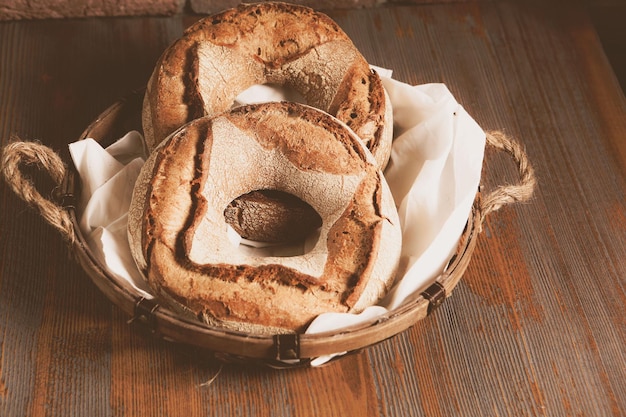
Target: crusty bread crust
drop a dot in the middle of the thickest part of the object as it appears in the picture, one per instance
(178, 231)
(221, 55)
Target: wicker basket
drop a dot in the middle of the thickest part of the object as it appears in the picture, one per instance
(277, 351)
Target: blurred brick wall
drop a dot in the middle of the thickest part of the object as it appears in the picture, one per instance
(44, 9)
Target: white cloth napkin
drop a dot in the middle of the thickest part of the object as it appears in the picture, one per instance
(434, 173)
(108, 177)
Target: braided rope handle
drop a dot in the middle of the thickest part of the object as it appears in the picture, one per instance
(508, 194)
(17, 154)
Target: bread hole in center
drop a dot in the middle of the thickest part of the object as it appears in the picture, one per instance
(262, 93)
(273, 223)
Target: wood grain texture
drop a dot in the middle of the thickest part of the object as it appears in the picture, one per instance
(536, 327)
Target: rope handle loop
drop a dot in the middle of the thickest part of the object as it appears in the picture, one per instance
(508, 194)
(17, 154)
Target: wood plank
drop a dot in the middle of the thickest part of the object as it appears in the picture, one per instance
(524, 276)
(536, 326)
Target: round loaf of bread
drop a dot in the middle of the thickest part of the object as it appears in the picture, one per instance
(179, 237)
(267, 43)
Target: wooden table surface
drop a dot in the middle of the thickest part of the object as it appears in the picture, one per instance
(536, 327)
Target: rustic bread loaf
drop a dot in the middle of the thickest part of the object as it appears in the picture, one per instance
(178, 233)
(267, 43)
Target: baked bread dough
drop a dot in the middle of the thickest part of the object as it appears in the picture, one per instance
(267, 43)
(178, 233)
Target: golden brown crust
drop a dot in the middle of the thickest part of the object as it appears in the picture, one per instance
(193, 176)
(271, 42)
